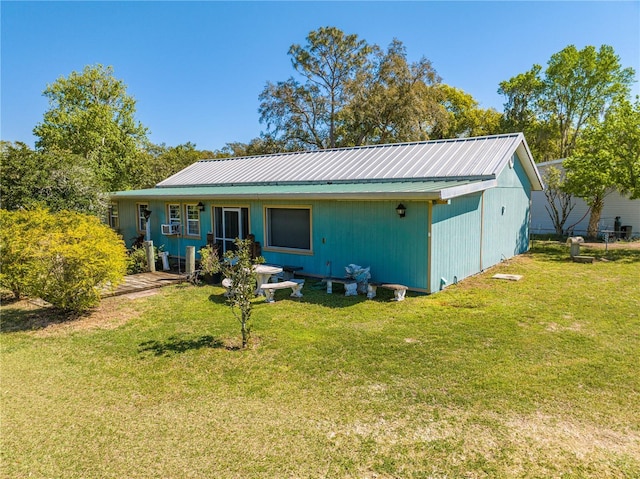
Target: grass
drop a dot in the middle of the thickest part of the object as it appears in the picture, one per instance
(536, 378)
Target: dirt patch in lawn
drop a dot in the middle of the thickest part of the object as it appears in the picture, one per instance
(43, 320)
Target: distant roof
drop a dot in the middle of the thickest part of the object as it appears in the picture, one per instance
(475, 160)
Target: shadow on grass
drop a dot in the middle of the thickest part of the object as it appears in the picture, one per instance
(16, 319)
(175, 345)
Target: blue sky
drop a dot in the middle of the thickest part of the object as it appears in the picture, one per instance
(196, 68)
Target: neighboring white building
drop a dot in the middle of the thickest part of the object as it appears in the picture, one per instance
(578, 221)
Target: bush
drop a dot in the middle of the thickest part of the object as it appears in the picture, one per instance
(65, 258)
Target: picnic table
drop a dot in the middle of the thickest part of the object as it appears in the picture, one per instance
(264, 273)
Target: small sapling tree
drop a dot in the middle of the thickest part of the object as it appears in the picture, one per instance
(236, 266)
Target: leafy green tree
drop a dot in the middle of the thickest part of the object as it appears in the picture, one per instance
(553, 108)
(51, 179)
(307, 112)
(91, 115)
(607, 157)
(236, 266)
(392, 100)
(65, 258)
(160, 162)
(463, 116)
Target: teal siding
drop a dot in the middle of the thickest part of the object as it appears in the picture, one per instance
(367, 233)
(506, 216)
(455, 237)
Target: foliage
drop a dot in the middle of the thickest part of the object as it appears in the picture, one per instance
(65, 258)
(536, 378)
(137, 259)
(91, 115)
(559, 202)
(607, 157)
(50, 179)
(306, 113)
(553, 109)
(463, 116)
(159, 162)
(237, 266)
(392, 100)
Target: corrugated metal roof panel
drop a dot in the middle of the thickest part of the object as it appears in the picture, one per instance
(481, 157)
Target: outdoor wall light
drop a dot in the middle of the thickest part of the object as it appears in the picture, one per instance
(401, 210)
(201, 206)
(146, 213)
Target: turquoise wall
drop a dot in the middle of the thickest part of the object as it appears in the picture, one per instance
(455, 234)
(506, 216)
(367, 233)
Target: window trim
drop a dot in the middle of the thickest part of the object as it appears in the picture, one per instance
(114, 219)
(187, 230)
(140, 218)
(282, 249)
(168, 215)
(217, 235)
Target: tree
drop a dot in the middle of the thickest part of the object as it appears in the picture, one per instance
(559, 202)
(553, 109)
(463, 116)
(392, 100)
(607, 157)
(237, 266)
(160, 162)
(65, 258)
(51, 179)
(91, 115)
(307, 112)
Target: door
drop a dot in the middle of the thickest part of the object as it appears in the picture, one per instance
(231, 223)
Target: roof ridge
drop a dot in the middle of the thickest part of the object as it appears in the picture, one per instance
(364, 147)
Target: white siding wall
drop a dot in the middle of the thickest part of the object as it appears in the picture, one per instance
(614, 205)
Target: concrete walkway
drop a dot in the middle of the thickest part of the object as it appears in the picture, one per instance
(145, 281)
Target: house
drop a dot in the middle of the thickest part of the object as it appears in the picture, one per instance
(577, 222)
(424, 214)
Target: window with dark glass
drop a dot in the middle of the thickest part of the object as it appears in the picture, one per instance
(289, 228)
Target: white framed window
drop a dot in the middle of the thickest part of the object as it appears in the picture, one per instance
(230, 223)
(173, 213)
(142, 211)
(288, 227)
(114, 218)
(192, 213)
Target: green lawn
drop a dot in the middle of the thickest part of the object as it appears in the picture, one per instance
(536, 378)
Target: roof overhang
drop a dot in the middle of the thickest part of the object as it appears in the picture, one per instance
(409, 190)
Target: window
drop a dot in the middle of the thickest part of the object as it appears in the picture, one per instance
(193, 220)
(230, 223)
(114, 220)
(143, 212)
(289, 228)
(173, 213)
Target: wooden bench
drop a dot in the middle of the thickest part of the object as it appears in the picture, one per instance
(350, 285)
(399, 290)
(270, 289)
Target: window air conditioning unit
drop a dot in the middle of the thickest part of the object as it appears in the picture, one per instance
(172, 229)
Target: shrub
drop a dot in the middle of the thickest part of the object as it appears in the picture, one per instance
(66, 258)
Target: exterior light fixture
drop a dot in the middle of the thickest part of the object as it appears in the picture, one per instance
(147, 213)
(401, 210)
(201, 206)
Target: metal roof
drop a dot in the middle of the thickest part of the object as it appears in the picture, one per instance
(470, 159)
(379, 190)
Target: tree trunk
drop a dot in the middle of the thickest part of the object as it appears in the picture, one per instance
(594, 219)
